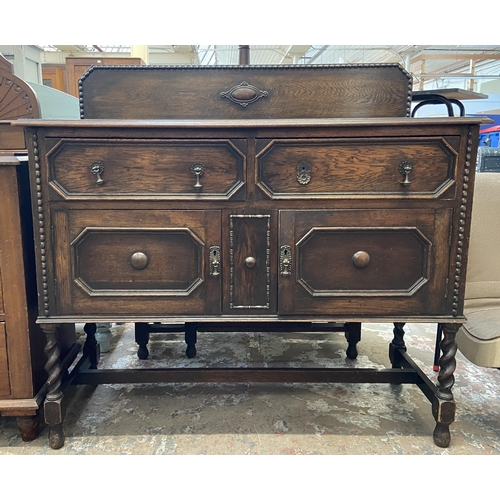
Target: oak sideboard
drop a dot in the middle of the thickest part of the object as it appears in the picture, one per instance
(252, 195)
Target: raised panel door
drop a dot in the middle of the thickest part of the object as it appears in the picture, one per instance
(365, 262)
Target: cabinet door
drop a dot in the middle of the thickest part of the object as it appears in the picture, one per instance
(250, 284)
(136, 262)
(371, 263)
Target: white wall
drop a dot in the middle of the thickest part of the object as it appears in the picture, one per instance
(26, 60)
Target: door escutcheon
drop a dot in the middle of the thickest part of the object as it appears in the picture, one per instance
(303, 173)
(285, 260)
(214, 260)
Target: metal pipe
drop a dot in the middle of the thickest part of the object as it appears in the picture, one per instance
(244, 55)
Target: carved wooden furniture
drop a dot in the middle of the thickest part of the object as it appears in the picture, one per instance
(263, 196)
(22, 357)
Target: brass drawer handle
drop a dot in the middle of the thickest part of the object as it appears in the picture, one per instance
(139, 260)
(197, 169)
(285, 260)
(214, 261)
(361, 259)
(97, 168)
(303, 173)
(405, 168)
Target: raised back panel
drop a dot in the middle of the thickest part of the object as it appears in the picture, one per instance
(254, 92)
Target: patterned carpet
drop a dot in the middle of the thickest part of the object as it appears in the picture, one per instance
(270, 419)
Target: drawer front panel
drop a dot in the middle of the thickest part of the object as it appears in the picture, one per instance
(369, 262)
(4, 366)
(124, 169)
(133, 262)
(357, 168)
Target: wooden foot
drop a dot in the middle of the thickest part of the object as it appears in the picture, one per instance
(142, 339)
(29, 427)
(190, 338)
(56, 436)
(442, 435)
(353, 336)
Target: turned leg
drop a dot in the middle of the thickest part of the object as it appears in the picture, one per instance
(29, 427)
(397, 343)
(142, 339)
(443, 407)
(190, 338)
(91, 347)
(53, 400)
(104, 336)
(353, 336)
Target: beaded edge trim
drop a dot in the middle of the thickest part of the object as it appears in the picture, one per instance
(41, 224)
(461, 224)
(261, 66)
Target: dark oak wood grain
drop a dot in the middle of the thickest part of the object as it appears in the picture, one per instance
(180, 92)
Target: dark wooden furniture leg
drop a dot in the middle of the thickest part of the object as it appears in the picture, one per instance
(397, 343)
(437, 351)
(53, 400)
(91, 347)
(142, 339)
(29, 427)
(443, 407)
(353, 336)
(190, 336)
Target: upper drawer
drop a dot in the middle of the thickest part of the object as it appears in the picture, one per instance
(366, 168)
(147, 169)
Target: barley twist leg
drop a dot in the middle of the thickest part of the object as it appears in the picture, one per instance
(53, 399)
(444, 405)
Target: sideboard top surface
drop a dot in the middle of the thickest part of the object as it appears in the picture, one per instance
(256, 123)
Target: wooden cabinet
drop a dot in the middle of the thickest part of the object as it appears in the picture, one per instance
(247, 219)
(363, 237)
(22, 358)
(76, 67)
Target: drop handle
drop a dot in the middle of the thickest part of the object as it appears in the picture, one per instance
(405, 168)
(97, 168)
(197, 169)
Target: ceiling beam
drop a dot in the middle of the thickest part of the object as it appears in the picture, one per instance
(456, 56)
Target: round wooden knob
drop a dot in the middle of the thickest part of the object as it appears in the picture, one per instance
(139, 260)
(361, 259)
(250, 262)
